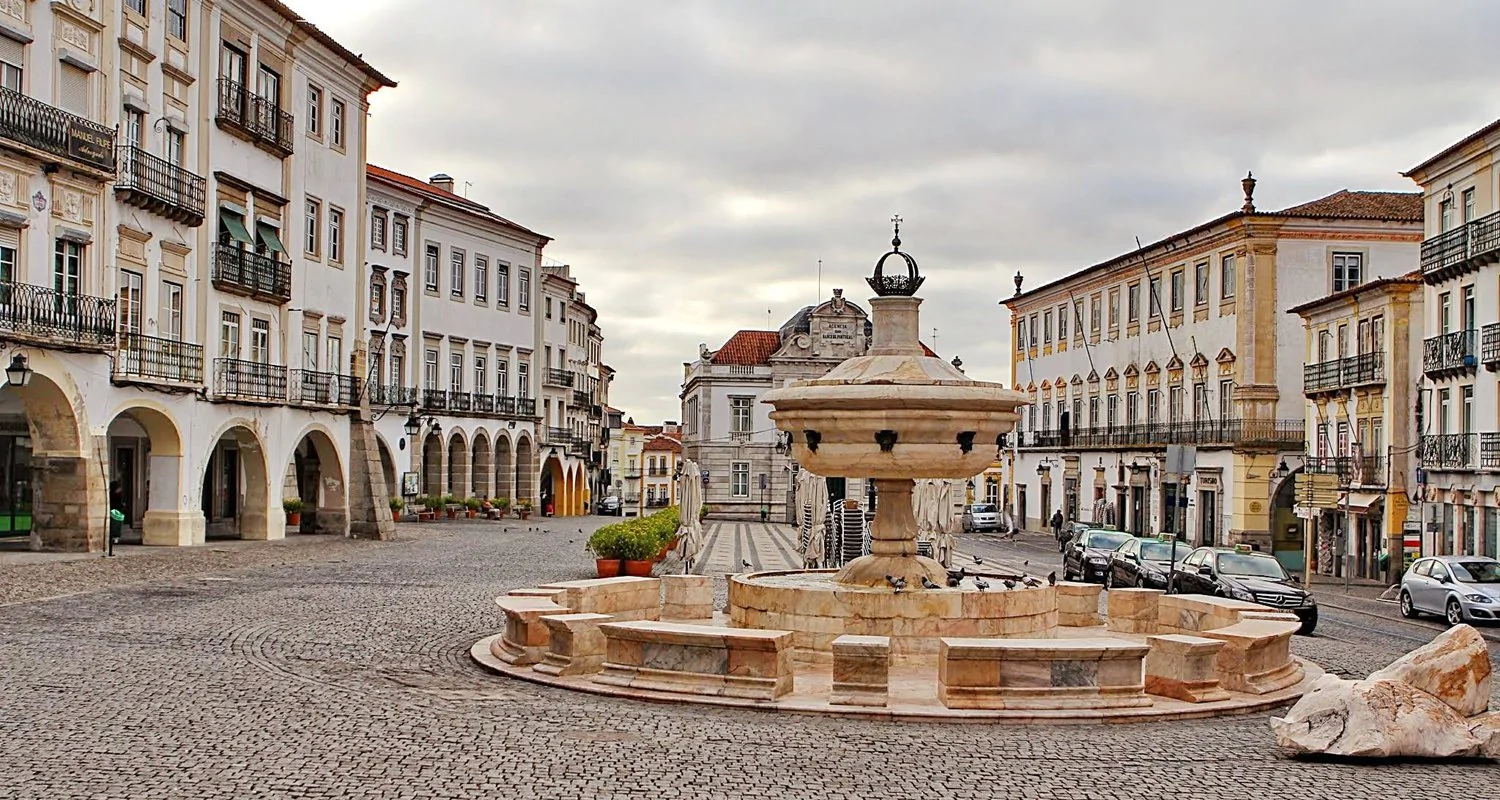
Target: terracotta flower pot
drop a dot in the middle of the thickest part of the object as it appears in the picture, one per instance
(607, 567)
(452, 514)
(639, 569)
(294, 517)
(395, 515)
(469, 513)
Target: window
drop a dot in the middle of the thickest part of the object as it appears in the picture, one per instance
(739, 483)
(1078, 319)
(1377, 333)
(481, 278)
(398, 235)
(335, 235)
(1466, 308)
(176, 147)
(75, 91)
(549, 308)
(1445, 402)
(1227, 277)
(1031, 331)
(1348, 270)
(1153, 406)
(398, 299)
(1111, 410)
(1114, 309)
(1468, 197)
(232, 66)
(310, 350)
(1047, 327)
(377, 230)
(260, 341)
(1200, 402)
(1096, 314)
(739, 414)
(1094, 411)
(1062, 324)
(398, 369)
(1343, 341)
(502, 284)
(1020, 335)
(314, 110)
(169, 321)
(523, 379)
(1132, 407)
(502, 377)
(12, 64)
(133, 131)
(1445, 216)
(430, 370)
(430, 268)
(335, 349)
(1362, 338)
(336, 114)
(377, 300)
(177, 19)
(229, 335)
(1133, 302)
(314, 224)
(1445, 312)
(67, 268)
(1174, 404)
(1178, 279)
(1155, 298)
(456, 270)
(268, 85)
(523, 289)
(132, 290)
(1200, 284)
(138, 6)
(1226, 399)
(481, 374)
(1466, 408)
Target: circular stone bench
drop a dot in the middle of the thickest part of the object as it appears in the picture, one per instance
(697, 659)
(1042, 673)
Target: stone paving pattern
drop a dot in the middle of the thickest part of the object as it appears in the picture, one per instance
(345, 674)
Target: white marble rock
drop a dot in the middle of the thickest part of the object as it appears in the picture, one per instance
(1454, 668)
(1375, 719)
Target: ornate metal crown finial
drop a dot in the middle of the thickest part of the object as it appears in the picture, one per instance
(896, 285)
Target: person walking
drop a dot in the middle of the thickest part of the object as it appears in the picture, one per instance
(1057, 526)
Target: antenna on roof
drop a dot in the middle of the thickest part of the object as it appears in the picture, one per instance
(819, 298)
(768, 319)
(467, 184)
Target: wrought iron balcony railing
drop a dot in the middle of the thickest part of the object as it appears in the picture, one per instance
(1447, 451)
(1489, 451)
(559, 436)
(259, 118)
(434, 400)
(1489, 346)
(1281, 434)
(159, 186)
(46, 316)
(580, 399)
(249, 380)
(484, 403)
(631, 474)
(558, 377)
(385, 394)
(1320, 377)
(1355, 470)
(151, 358)
(246, 272)
(1343, 373)
(310, 387)
(1450, 352)
(505, 405)
(525, 406)
(1463, 249)
(460, 401)
(51, 130)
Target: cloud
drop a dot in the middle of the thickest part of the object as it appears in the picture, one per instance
(695, 160)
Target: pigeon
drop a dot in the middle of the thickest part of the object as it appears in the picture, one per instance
(927, 584)
(744, 563)
(977, 560)
(901, 583)
(1026, 563)
(981, 584)
(954, 581)
(892, 581)
(1032, 582)
(1009, 584)
(1052, 578)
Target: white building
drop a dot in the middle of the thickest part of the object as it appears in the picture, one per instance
(1458, 415)
(1187, 341)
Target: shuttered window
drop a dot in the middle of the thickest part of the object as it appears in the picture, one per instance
(12, 63)
(73, 91)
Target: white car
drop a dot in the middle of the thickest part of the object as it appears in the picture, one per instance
(981, 517)
(1460, 588)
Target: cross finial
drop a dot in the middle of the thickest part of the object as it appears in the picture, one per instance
(896, 239)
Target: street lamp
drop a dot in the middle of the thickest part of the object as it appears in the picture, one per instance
(1281, 471)
(18, 374)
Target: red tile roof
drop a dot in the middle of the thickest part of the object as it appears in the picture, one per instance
(748, 348)
(1344, 204)
(666, 443)
(424, 188)
(927, 351)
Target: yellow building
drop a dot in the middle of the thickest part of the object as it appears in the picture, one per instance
(1362, 364)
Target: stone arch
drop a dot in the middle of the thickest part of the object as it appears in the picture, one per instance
(482, 482)
(434, 462)
(388, 466)
(146, 461)
(505, 467)
(316, 474)
(57, 489)
(235, 486)
(526, 468)
(458, 465)
(552, 487)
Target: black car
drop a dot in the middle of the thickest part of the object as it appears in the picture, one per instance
(1087, 556)
(1244, 574)
(1143, 563)
(1070, 531)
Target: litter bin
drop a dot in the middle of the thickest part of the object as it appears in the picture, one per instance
(116, 525)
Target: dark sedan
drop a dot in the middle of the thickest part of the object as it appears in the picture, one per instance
(1087, 556)
(1244, 574)
(1143, 563)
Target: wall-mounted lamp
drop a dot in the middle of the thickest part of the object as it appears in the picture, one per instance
(18, 373)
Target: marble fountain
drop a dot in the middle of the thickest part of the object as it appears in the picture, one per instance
(869, 639)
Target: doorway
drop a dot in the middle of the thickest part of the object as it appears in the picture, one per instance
(1138, 510)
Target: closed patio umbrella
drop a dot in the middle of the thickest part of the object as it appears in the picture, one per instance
(690, 528)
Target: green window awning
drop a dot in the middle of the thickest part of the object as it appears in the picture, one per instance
(268, 237)
(234, 225)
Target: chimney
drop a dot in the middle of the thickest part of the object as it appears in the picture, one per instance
(443, 181)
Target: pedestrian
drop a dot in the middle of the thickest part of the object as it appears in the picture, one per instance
(1057, 524)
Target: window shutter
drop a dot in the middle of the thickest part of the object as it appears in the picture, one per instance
(73, 91)
(12, 52)
(10, 237)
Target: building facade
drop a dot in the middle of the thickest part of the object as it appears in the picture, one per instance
(1186, 341)
(660, 456)
(1458, 415)
(179, 194)
(1362, 369)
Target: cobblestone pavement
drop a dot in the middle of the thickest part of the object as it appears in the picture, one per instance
(347, 676)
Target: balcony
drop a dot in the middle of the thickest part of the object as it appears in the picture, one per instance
(159, 186)
(460, 402)
(559, 378)
(257, 118)
(386, 394)
(1279, 434)
(1450, 353)
(249, 381)
(1321, 377)
(559, 436)
(1489, 346)
(251, 274)
(1447, 451)
(313, 388)
(1338, 374)
(484, 404)
(526, 406)
(1462, 250)
(579, 448)
(632, 474)
(580, 399)
(51, 131)
(658, 502)
(434, 400)
(1330, 465)
(657, 472)
(1368, 470)
(39, 315)
(1356, 470)
(1489, 451)
(150, 359)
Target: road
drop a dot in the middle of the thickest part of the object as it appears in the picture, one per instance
(341, 671)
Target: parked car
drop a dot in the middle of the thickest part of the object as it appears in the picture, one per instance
(981, 517)
(1087, 556)
(1244, 574)
(1143, 563)
(1070, 532)
(1458, 587)
(610, 506)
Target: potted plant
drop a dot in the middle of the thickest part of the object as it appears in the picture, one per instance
(605, 545)
(450, 506)
(396, 505)
(637, 546)
(472, 506)
(523, 508)
(502, 503)
(293, 507)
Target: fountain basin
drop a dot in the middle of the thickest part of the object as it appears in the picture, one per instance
(817, 610)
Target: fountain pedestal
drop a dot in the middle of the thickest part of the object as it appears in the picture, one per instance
(893, 543)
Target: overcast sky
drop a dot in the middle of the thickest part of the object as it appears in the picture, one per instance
(694, 160)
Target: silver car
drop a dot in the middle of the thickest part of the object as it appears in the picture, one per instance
(1460, 588)
(981, 517)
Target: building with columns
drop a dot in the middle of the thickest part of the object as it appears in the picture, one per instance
(1187, 341)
